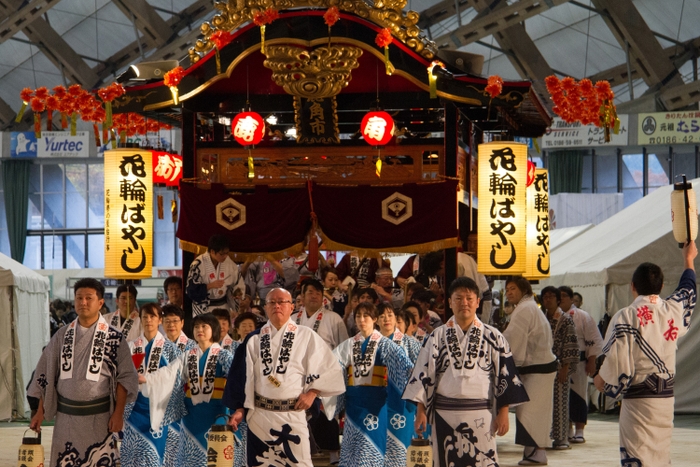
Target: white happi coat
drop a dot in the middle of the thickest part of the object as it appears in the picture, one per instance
(590, 342)
(641, 347)
(455, 373)
(330, 327)
(530, 337)
(113, 320)
(203, 272)
(310, 365)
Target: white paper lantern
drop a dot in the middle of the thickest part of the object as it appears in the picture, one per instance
(31, 452)
(684, 212)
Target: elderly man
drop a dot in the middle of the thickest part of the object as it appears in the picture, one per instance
(640, 361)
(277, 373)
(384, 286)
(84, 379)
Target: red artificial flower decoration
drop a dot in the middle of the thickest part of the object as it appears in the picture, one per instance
(26, 94)
(52, 103)
(41, 93)
(174, 76)
(265, 17)
(37, 105)
(221, 39)
(75, 90)
(384, 38)
(60, 92)
(494, 86)
(578, 101)
(331, 16)
(111, 92)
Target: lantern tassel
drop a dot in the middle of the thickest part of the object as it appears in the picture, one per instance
(173, 210)
(105, 133)
(64, 121)
(37, 125)
(20, 114)
(378, 165)
(251, 166)
(160, 207)
(262, 38)
(387, 63)
(98, 143)
(432, 81)
(49, 120)
(176, 95)
(218, 61)
(113, 138)
(108, 114)
(73, 123)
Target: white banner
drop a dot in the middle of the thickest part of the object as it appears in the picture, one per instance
(51, 144)
(575, 135)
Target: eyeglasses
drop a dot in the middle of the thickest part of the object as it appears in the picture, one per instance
(274, 303)
(170, 322)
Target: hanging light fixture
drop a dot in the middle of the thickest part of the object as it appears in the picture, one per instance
(248, 129)
(377, 128)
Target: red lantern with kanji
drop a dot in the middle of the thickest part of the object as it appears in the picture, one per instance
(248, 128)
(377, 128)
(530, 172)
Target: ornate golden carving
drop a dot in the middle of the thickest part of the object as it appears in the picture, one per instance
(319, 73)
(126, 99)
(384, 13)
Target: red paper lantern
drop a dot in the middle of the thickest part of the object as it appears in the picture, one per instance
(530, 172)
(377, 128)
(248, 128)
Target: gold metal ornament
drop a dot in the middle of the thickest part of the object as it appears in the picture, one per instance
(319, 73)
(384, 13)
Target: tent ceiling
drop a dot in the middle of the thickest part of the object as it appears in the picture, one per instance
(52, 42)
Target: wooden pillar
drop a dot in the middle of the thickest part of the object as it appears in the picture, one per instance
(450, 170)
(189, 153)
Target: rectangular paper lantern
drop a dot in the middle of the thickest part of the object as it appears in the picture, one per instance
(502, 204)
(128, 213)
(538, 227)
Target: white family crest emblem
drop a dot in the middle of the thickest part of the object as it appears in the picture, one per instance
(230, 214)
(397, 208)
(371, 422)
(398, 421)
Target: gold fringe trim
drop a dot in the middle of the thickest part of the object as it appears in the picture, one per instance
(374, 252)
(241, 257)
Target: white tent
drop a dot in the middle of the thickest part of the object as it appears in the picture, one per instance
(559, 237)
(24, 331)
(599, 264)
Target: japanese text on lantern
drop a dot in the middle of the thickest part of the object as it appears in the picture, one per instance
(502, 203)
(538, 227)
(167, 168)
(128, 213)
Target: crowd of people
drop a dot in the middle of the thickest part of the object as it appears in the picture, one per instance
(293, 356)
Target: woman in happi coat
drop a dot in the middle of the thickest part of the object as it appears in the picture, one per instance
(204, 371)
(530, 339)
(374, 367)
(566, 350)
(334, 298)
(146, 433)
(401, 413)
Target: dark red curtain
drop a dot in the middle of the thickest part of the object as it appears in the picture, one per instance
(274, 222)
(410, 217)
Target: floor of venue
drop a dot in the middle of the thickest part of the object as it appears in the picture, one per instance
(601, 448)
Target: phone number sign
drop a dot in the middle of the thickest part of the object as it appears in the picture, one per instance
(669, 127)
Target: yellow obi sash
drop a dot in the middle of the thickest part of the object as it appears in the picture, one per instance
(219, 385)
(379, 376)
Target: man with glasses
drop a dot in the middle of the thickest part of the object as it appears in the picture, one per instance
(276, 375)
